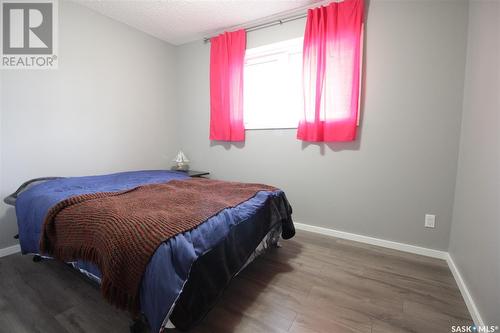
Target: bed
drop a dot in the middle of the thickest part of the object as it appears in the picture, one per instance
(188, 272)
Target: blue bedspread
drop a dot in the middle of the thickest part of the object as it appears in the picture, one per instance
(169, 267)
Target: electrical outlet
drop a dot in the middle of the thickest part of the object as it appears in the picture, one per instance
(430, 221)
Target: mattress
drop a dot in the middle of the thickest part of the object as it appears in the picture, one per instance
(169, 269)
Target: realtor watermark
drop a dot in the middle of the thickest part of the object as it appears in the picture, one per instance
(29, 34)
(475, 329)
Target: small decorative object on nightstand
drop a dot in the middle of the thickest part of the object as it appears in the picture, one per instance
(181, 162)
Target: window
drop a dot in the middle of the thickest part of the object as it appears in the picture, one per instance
(273, 96)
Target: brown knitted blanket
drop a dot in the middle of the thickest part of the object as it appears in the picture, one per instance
(120, 231)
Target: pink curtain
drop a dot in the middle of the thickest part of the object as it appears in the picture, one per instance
(227, 58)
(331, 72)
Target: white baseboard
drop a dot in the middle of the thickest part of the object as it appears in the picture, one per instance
(374, 241)
(471, 305)
(9, 250)
(469, 301)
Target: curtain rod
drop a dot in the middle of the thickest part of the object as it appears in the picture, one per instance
(267, 24)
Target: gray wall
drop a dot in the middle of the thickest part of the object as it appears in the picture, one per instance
(404, 163)
(475, 232)
(109, 107)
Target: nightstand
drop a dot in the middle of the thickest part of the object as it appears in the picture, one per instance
(193, 173)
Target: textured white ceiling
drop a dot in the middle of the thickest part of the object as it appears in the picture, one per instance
(179, 22)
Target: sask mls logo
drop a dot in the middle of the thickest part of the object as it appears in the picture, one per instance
(29, 34)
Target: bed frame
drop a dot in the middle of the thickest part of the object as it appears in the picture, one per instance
(11, 200)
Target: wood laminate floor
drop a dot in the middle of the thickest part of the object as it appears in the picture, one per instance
(313, 283)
